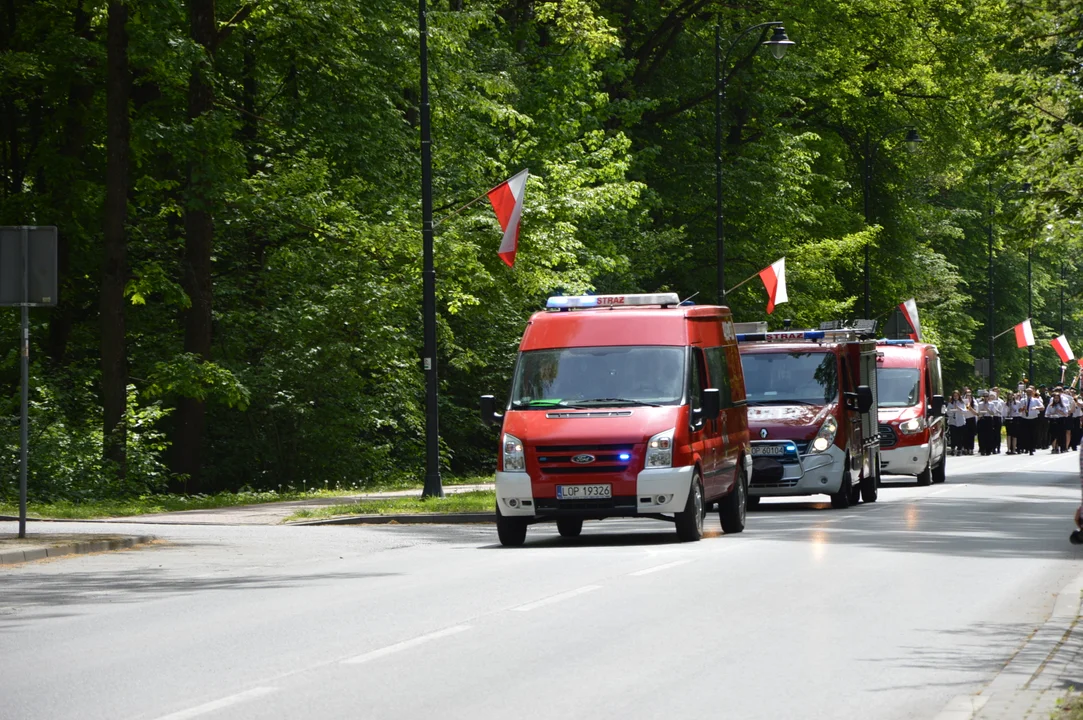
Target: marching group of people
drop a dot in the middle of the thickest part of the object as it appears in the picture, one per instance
(1035, 419)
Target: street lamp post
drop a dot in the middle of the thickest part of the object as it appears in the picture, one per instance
(778, 43)
(1030, 314)
(913, 142)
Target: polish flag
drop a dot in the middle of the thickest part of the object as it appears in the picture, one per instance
(507, 200)
(910, 312)
(774, 280)
(1024, 335)
(1060, 344)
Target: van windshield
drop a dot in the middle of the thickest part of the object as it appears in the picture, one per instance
(897, 387)
(599, 376)
(794, 378)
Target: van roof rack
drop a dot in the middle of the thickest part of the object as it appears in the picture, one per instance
(860, 327)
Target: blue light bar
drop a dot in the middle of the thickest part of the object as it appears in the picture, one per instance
(885, 341)
(564, 302)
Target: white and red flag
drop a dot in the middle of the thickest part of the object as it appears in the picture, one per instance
(910, 312)
(507, 200)
(1024, 335)
(774, 280)
(1060, 344)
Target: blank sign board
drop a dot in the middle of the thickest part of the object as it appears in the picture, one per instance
(40, 266)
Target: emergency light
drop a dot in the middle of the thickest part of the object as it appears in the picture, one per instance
(886, 341)
(567, 302)
(781, 336)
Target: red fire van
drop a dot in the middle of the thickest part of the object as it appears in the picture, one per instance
(623, 406)
(913, 437)
(812, 413)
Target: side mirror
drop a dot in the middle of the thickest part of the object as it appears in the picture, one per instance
(712, 403)
(489, 416)
(936, 405)
(864, 399)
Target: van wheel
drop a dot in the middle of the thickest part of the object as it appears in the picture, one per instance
(841, 499)
(925, 477)
(732, 509)
(939, 472)
(869, 486)
(569, 527)
(510, 530)
(689, 521)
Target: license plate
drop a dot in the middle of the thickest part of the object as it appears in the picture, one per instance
(768, 449)
(584, 492)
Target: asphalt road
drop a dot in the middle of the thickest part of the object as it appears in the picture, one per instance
(879, 611)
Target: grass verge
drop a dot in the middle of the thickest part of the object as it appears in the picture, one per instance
(1069, 708)
(149, 504)
(474, 501)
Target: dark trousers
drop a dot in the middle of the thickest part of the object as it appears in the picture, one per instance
(985, 435)
(1075, 432)
(1058, 428)
(998, 423)
(971, 433)
(1026, 434)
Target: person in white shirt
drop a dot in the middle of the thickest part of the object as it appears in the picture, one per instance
(1077, 413)
(984, 411)
(956, 422)
(1032, 406)
(1013, 404)
(999, 412)
(1058, 413)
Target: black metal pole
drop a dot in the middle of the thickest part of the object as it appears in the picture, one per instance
(1061, 297)
(867, 190)
(992, 367)
(720, 240)
(1030, 313)
(24, 361)
(433, 486)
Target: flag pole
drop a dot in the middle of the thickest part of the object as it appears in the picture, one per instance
(433, 485)
(458, 210)
(1008, 330)
(750, 277)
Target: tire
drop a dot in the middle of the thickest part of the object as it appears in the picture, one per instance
(855, 493)
(733, 508)
(752, 501)
(689, 522)
(510, 530)
(940, 471)
(841, 499)
(569, 527)
(870, 486)
(925, 477)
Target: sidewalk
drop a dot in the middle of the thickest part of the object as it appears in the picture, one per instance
(266, 513)
(1043, 670)
(38, 546)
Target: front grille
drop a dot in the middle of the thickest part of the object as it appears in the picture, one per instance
(760, 483)
(583, 448)
(557, 459)
(613, 503)
(887, 436)
(582, 469)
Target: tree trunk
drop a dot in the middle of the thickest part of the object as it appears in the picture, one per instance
(198, 241)
(114, 271)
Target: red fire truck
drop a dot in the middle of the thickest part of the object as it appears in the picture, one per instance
(812, 412)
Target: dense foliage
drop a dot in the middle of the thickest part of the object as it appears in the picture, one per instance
(268, 256)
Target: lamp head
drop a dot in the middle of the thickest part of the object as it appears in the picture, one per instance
(779, 42)
(913, 140)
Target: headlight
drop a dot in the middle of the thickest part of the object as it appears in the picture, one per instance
(660, 450)
(825, 437)
(514, 459)
(913, 425)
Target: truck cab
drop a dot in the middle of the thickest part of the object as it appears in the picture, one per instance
(812, 413)
(623, 406)
(913, 432)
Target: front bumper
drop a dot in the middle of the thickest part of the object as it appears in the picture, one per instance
(658, 490)
(906, 460)
(808, 475)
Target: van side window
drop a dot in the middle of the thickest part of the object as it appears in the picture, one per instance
(717, 375)
(695, 379)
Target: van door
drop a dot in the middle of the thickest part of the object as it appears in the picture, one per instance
(726, 450)
(702, 431)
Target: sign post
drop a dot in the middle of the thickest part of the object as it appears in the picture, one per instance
(28, 278)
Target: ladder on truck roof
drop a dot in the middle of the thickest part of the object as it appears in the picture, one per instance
(833, 331)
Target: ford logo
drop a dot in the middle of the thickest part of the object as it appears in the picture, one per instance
(763, 434)
(583, 459)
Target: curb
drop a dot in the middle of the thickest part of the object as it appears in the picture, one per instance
(405, 519)
(12, 557)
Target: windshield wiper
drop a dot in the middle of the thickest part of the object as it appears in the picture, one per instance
(780, 402)
(543, 403)
(608, 401)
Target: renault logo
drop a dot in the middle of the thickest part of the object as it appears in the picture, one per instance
(583, 459)
(763, 434)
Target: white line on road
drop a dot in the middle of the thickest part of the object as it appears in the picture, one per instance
(557, 598)
(942, 491)
(405, 645)
(656, 568)
(219, 704)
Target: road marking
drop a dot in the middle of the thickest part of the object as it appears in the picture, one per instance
(657, 568)
(962, 707)
(225, 702)
(941, 491)
(557, 598)
(405, 645)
